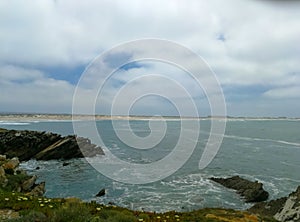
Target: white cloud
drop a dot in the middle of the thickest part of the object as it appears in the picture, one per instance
(284, 92)
(260, 44)
(29, 90)
(12, 73)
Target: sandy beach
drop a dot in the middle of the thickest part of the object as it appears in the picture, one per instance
(69, 117)
(64, 117)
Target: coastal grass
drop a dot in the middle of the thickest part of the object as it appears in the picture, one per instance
(14, 181)
(29, 208)
(21, 207)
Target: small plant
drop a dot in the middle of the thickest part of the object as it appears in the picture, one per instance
(15, 181)
(31, 216)
(9, 171)
(76, 212)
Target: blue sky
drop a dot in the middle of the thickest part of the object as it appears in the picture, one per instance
(252, 47)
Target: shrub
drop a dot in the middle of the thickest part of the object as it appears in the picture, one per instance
(76, 212)
(31, 216)
(14, 181)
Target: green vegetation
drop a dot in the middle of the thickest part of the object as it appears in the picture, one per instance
(14, 181)
(3, 130)
(32, 206)
(29, 208)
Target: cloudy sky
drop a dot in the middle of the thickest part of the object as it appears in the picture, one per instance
(252, 46)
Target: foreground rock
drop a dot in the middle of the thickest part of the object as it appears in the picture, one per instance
(269, 208)
(44, 146)
(251, 191)
(284, 209)
(14, 179)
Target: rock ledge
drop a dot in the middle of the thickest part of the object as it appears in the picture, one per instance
(251, 191)
(28, 145)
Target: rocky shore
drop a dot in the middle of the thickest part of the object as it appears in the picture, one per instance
(285, 209)
(28, 145)
(21, 199)
(16, 146)
(251, 191)
(12, 178)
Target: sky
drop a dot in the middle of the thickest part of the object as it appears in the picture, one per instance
(252, 47)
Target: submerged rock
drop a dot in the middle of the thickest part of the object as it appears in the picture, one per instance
(65, 164)
(101, 193)
(251, 191)
(28, 145)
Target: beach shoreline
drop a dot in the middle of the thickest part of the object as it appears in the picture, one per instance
(70, 117)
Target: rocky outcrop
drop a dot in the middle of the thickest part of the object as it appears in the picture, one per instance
(291, 208)
(286, 209)
(101, 193)
(251, 191)
(38, 190)
(28, 184)
(3, 179)
(269, 208)
(14, 179)
(11, 164)
(44, 146)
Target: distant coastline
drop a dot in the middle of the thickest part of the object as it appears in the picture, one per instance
(66, 117)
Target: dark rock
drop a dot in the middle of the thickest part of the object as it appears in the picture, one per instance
(269, 208)
(9, 171)
(251, 191)
(28, 145)
(100, 193)
(37, 168)
(65, 163)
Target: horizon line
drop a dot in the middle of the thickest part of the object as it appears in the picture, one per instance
(33, 114)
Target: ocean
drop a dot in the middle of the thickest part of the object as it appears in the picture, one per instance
(266, 150)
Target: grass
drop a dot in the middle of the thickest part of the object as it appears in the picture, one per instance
(71, 209)
(20, 207)
(3, 130)
(14, 181)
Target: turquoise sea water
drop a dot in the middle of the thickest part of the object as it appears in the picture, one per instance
(263, 150)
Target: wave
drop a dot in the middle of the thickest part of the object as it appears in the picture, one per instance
(14, 123)
(260, 119)
(254, 139)
(261, 139)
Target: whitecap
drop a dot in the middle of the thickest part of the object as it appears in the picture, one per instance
(264, 140)
(14, 123)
